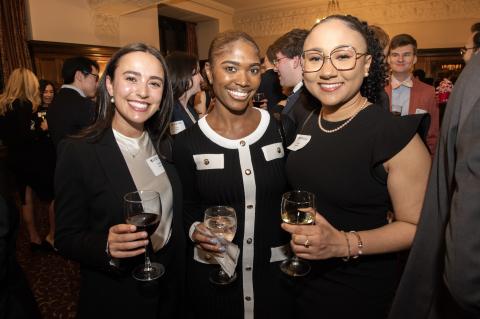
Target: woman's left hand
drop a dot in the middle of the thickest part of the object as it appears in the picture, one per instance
(318, 241)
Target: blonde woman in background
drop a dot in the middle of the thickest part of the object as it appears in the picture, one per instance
(18, 103)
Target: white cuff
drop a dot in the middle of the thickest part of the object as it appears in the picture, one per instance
(192, 229)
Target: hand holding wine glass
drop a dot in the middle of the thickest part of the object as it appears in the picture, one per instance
(259, 99)
(221, 221)
(298, 208)
(143, 209)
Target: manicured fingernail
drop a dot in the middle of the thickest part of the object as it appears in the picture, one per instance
(213, 241)
(222, 249)
(146, 242)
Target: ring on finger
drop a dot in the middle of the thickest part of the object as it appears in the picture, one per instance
(306, 243)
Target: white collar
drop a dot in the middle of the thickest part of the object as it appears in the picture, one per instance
(234, 144)
(73, 87)
(297, 87)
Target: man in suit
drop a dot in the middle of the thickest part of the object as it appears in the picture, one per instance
(287, 51)
(270, 84)
(442, 275)
(72, 108)
(473, 43)
(407, 94)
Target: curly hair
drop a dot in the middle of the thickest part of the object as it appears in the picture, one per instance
(374, 83)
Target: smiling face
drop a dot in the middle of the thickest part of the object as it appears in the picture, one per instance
(137, 88)
(288, 70)
(401, 60)
(47, 95)
(235, 75)
(330, 86)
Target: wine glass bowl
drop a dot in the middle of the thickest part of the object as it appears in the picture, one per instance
(144, 210)
(258, 99)
(298, 208)
(221, 221)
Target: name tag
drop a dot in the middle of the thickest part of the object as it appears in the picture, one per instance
(273, 151)
(208, 161)
(420, 111)
(155, 165)
(300, 142)
(176, 127)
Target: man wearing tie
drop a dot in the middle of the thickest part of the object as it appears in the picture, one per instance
(287, 51)
(407, 94)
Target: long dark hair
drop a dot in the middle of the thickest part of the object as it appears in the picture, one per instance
(156, 125)
(374, 83)
(182, 66)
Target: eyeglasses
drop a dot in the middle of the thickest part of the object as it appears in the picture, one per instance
(465, 49)
(96, 76)
(342, 59)
(276, 61)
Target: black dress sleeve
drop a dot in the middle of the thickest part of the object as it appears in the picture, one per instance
(395, 133)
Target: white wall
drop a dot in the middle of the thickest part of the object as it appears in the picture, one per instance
(73, 21)
(141, 26)
(206, 31)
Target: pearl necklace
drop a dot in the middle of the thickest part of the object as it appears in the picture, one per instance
(364, 105)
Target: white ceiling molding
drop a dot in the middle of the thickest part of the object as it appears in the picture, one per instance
(274, 21)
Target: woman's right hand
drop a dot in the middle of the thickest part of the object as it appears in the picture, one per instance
(207, 242)
(124, 241)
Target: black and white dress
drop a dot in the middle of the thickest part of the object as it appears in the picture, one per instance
(247, 174)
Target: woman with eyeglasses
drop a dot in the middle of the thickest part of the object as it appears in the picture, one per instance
(360, 162)
(186, 80)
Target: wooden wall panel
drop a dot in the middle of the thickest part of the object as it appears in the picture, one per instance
(48, 57)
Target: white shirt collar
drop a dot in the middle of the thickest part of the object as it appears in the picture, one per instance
(297, 87)
(73, 87)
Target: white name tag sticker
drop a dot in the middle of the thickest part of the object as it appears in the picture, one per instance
(176, 127)
(273, 151)
(300, 142)
(420, 111)
(155, 165)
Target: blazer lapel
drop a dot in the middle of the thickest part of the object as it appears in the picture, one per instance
(388, 89)
(413, 97)
(114, 165)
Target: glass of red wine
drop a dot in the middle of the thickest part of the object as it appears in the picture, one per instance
(258, 99)
(143, 209)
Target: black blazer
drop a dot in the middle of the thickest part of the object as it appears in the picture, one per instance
(90, 181)
(68, 114)
(299, 105)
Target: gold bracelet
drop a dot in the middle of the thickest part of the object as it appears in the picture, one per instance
(348, 247)
(359, 244)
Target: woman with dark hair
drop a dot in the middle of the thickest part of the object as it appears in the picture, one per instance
(234, 156)
(363, 162)
(186, 79)
(121, 152)
(46, 154)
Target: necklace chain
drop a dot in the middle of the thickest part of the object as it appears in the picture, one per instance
(364, 105)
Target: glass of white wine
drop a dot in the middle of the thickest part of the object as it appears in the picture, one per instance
(222, 222)
(298, 208)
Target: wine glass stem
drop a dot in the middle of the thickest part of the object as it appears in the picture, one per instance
(148, 264)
